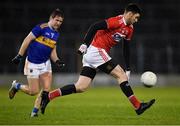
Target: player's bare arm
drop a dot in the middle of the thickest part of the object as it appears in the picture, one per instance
(55, 58)
(26, 43)
(23, 48)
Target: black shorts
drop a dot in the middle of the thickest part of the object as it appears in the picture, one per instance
(106, 67)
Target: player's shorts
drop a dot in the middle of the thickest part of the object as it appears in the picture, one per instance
(95, 57)
(33, 70)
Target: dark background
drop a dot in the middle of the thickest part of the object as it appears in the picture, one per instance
(155, 44)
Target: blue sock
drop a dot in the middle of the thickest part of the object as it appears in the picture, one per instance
(18, 85)
(35, 110)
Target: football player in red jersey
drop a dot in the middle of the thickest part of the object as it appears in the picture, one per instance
(98, 41)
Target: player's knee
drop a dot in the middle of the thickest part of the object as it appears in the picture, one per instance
(32, 93)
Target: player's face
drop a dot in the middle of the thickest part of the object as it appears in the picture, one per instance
(56, 22)
(134, 17)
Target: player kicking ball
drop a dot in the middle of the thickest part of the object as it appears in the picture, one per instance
(100, 38)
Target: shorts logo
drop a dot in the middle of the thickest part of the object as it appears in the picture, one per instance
(31, 70)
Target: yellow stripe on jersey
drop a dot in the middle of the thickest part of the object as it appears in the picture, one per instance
(46, 41)
(44, 25)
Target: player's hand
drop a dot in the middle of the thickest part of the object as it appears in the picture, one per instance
(128, 72)
(82, 49)
(59, 63)
(17, 59)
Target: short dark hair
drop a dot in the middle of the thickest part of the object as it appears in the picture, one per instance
(57, 12)
(133, 7)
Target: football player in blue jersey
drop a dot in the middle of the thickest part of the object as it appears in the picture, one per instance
(40, 45)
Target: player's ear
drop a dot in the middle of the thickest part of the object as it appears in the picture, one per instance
(130, 13)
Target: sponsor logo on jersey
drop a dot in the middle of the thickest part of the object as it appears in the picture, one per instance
(46, 41)
(118, 37)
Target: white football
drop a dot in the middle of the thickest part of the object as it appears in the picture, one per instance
(149, 79)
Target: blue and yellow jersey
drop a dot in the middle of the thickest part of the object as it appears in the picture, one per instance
(40, 49)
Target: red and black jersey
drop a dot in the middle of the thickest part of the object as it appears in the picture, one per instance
(117, 29)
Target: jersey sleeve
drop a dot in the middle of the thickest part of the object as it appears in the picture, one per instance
(112, 22)
(36, 30)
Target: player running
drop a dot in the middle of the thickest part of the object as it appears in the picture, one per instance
(40, 44)
(102, 36)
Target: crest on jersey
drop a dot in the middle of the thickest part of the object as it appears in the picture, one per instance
(118, 37)
(52, 35)
(49, 34)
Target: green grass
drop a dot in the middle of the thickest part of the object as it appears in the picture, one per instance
(97, 106)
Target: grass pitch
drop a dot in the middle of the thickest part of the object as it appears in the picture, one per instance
(97, 106)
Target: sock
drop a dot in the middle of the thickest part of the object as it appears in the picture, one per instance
(18, 86)
(135, 102)
(126, 88)
(35, 110)
(45, 95)
(55, 93)
(68, 89)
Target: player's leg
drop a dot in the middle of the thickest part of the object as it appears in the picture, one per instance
(86, 76)
(122, 79)
(31, 89)
(84, 81)
(117, 72)
(45, 80)
(32, 73)
(37, 102)
(33, 81)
